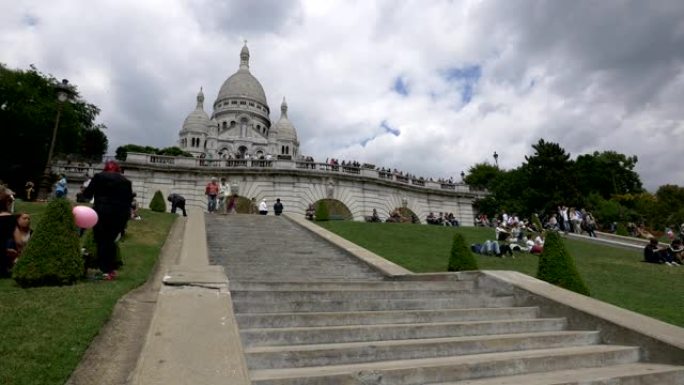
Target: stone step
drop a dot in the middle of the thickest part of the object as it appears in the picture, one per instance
(271, 357)
(459, 301)
(254, 247)
(351, 285)
(355, 333)
(274, 320)
(628, 374)
(343, 295)
(454, 368)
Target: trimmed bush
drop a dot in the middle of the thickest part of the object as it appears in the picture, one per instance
(158, 203)
(557, 267)
(53, 255)
(461, 258)
(322, 213)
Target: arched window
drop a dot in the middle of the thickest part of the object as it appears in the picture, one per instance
(232, 124)
(282, 149)
(225, 125)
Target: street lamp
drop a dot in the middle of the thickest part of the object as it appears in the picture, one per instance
(496, 159)
(64, 92)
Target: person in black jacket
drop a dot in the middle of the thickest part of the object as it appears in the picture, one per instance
(113, 196)
(177, 202)
(278, 207)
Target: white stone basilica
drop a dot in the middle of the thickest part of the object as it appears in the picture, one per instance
(239, 127)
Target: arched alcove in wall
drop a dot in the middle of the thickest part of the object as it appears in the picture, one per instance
(405, 215)
(336, 209)
(242, 205)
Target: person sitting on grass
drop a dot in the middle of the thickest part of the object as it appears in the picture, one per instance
(20, 238)
(310, 212)
(654, 253)
(537, 246)
(7, 225)
(676, 251)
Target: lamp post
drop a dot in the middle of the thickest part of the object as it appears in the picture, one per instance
(496, 159)
(64, 92)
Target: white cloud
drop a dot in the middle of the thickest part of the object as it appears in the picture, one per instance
(589, 75)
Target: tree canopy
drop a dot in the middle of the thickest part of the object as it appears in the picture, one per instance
(122, 151)
(28, 110)
(602, 181)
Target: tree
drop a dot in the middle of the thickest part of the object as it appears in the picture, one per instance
(461, 258)
(482, 175)
(28, 108)
(550, 177)
(122, 151)
(607, 173)
(668, 209)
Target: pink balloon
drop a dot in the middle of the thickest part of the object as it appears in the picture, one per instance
(84, 216)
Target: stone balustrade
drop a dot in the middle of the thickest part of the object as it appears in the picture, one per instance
(281, 164)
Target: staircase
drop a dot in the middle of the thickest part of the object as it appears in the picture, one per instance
(303, 328)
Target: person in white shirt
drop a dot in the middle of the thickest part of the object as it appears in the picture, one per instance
(263, 207)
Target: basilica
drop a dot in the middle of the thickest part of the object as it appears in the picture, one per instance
(239, 126)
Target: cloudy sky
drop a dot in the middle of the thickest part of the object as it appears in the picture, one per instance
(430, 87)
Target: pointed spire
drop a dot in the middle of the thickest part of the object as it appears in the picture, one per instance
(200, 100)
(244, 57)
(283, 108)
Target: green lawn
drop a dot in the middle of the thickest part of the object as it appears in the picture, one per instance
(614, 275)
(46, 330)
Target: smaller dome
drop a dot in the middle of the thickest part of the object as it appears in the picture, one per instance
(284, 128)
(197, 120)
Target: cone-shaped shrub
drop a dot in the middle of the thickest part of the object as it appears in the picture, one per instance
(53, 255)
(461, 258)
(322, 213)
(557, 267)
(158, 204)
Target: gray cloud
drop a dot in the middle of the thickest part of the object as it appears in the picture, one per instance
(589, 75)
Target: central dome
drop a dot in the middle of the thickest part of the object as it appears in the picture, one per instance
(243, 84)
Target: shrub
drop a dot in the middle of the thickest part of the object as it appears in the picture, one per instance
(53, 256)
(621, 229)
(322, 213)
(158, 203)
(461, 258)
(557, 267)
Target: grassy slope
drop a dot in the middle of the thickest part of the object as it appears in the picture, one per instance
(46, 330)
(614, 275)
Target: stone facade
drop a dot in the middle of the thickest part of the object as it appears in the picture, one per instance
(296, 183)
(239, 126)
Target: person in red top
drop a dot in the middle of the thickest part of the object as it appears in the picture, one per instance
(211, 191)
